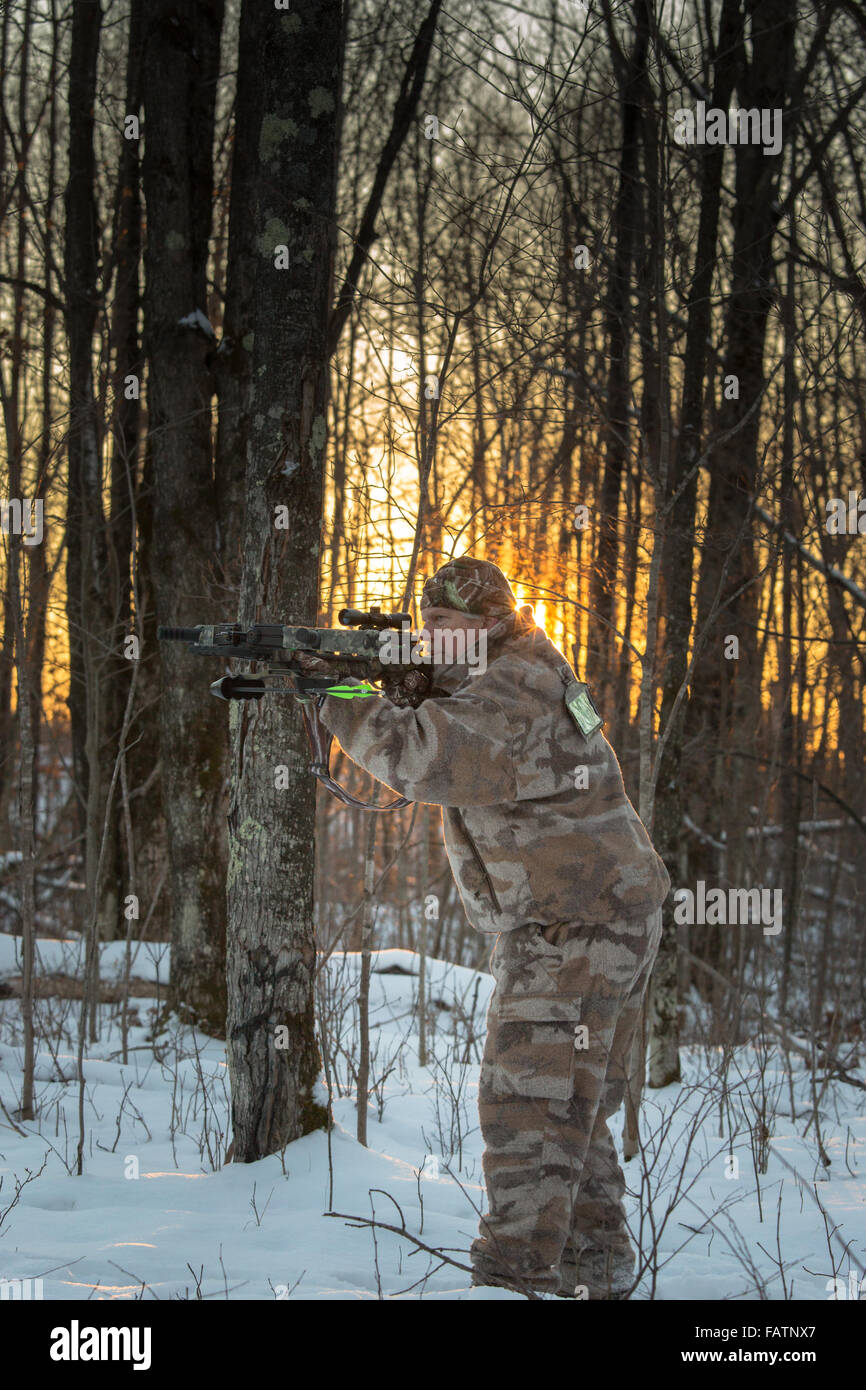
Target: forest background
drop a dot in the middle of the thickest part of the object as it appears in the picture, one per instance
(298, 301)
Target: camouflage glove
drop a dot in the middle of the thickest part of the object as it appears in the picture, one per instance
(409, 690)
(315, 665)
(406, 691)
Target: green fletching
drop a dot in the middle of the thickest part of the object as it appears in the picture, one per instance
(350, 692)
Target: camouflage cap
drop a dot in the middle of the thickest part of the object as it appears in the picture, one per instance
(476, 587)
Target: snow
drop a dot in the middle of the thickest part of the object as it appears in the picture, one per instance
(197, 319)
(150, 959)
(261, 1231)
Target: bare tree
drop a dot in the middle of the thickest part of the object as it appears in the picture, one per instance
(180, 70)
(272, 1051)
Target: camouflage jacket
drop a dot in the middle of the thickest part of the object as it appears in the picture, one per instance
(530, 838)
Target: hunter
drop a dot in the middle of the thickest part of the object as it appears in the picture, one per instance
(550, 858)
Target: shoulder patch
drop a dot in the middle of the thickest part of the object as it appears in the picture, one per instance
(582, 708)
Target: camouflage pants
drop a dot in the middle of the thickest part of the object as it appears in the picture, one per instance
(559, 1032)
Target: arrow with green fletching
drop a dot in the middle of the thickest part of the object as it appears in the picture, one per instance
(349, 692)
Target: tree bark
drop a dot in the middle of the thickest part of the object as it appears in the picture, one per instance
(233, 357)
(367, 913)
(725, 699)
(181, 65)
(677, 566)
(616, 429)
(90, 606)
(272, 1051)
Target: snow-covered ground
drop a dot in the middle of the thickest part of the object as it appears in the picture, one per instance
(157, 1208)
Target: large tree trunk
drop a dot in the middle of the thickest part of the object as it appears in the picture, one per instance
(80, 269)
(616, 431)
(7, 645)
(181, 65)
(725, 700)
(126, 363)
(232, 361)
(790, 785)
(89, 598)
(41, 574)
(272, 1052)
(677, 562)
(131, 530)
(20, 614)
